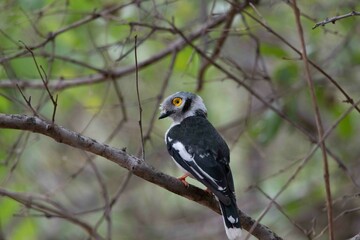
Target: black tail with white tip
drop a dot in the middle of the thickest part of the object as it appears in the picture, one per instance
(231, 220)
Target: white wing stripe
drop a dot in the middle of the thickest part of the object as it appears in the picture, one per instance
(197, 173)
(209, 177)
(182, 151)
(187, 157)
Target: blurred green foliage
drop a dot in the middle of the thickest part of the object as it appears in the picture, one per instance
(265, 148)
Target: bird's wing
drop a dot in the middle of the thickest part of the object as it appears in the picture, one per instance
(199, 149)
(206, 170)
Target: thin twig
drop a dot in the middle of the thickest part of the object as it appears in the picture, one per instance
(318, 120)
(44, 79)
(278, 172)
(138, 43)
(20, 151)
(218, 47)
(73, 61)
(336, 218)
(161, 95)
(316, 66)
(53, 100)
(135, 165)
(91, 17)
(121, 189)
(139, 102)
(300, 167)
(282, 211)
(175, 45)
(28, 101)
(33, 202)
(252, 91)
(336, 18)
(105, 194)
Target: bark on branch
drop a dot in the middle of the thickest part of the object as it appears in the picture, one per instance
(119, 72)
(336, 18)
(135, 165)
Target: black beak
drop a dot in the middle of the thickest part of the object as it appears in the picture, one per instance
(165, 114)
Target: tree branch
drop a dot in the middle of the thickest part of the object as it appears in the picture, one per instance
(62, 83)
(135, 165)
(52, 35)
(312, 63)
(33, 202)
(219, 45)
(334, 19)
(319, 124)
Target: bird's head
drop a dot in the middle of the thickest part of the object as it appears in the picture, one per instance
(181, 105)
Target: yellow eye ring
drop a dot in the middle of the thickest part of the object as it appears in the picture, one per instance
(177, 101)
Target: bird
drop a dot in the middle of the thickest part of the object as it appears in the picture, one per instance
(200, 151)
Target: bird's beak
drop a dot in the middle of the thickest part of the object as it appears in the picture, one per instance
(165, 114)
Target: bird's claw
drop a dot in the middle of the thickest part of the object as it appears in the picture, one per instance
(183, 180)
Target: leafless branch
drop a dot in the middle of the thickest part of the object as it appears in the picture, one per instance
(319, 124)
(62, 83)
(348, 99)
(27, 100)
(282, 211)
(135, 165)
(160, 96)
(336, 18)
(34, 203)
(218, 46)
(105, 194)
(52, 35)
(139, 101)
(228, 40)
(301, 165)
(44, 80)
(340, 215)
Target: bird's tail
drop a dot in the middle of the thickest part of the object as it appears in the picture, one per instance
(231, 220)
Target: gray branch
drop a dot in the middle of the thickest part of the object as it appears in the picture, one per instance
(336, 18)
(135, 165)
(119, 72)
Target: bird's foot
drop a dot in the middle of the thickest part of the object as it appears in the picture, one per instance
(183, 179)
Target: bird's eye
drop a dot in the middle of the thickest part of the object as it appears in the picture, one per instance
(177, 101)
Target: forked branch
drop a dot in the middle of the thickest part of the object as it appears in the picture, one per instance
(135, 165)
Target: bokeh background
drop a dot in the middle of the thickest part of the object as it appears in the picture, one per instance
(86, 52)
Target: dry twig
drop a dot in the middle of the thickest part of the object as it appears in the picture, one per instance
(44, 80)
(319, 125)
(135, 165)
(336, 18)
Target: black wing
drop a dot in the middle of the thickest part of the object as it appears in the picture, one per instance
(198, 148)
